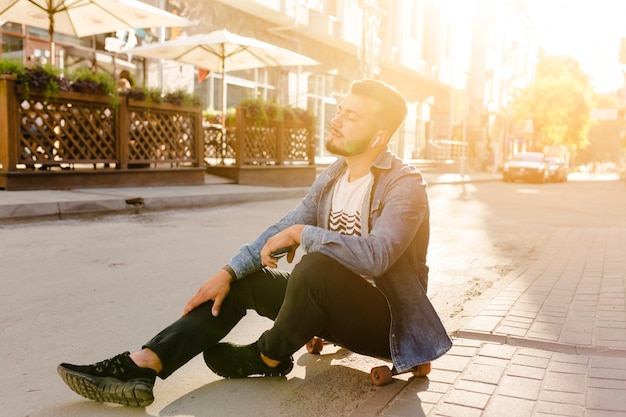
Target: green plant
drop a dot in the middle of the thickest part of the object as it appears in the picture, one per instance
(256, 110)
(304, 117)
(11, 67)
(84, 80)
(274, 111)
(289, 115)
(231, 114)
(181, 98)
(263, 112)
(42, 79)
(149, 95)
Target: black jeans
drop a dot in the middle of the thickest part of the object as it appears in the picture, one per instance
(319, 298)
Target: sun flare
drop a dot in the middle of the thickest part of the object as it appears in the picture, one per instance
(590, 31)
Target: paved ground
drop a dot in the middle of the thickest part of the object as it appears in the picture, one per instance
(548, 340)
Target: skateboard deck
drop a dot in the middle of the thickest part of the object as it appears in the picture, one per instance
(379, 375)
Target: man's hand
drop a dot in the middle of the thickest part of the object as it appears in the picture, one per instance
(215, 288)
(288, 238)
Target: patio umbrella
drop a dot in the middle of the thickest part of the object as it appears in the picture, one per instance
(224, 50)
(82, 18)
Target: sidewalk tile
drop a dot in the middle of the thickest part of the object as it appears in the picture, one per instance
(608, 374)
(489, 361)
(484, 373)
(522, 359)
(560, 397)
(556, 381)
(451, 362)
(513, 386)
(473, 386)
(443, 376)
(515, 407)
(498, 351)
(527, 372)
(560, 409)
(566, 358)
(403, 408)
(460, 350)
(468, 398)
(608, 362)
(484, 324)
(453, 410)
(606, 399)
(568, 368)
(511, 330)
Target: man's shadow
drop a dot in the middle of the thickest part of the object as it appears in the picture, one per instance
(320, 385)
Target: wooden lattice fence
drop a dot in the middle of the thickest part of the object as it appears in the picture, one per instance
(79, 140)
(258, 144)
(275, 153)
(65, 131)
(72, 140)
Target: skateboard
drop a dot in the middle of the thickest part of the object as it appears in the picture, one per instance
(379, 375)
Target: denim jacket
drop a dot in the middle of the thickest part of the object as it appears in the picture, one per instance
(392, 251)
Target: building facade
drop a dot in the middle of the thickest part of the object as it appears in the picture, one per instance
(455, 61)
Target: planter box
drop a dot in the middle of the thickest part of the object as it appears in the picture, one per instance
(272, 154)
(53, 142)
(273, 176)
(73, 140)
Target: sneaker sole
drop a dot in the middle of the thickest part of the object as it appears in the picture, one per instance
(264, 375)
(107, 389)
(268, 373)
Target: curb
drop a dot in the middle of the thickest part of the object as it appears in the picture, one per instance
(21, 206)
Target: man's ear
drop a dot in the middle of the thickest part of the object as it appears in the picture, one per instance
(381, 137)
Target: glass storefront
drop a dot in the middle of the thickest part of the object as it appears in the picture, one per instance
(12, 47)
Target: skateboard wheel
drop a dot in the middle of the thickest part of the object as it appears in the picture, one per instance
(422, 369)
(380, 375)
(315, 345)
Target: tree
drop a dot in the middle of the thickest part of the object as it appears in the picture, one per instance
(605, 136)
(558, 102)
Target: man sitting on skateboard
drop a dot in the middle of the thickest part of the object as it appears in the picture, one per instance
(364, 229)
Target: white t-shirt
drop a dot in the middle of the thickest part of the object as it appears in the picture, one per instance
(345, 212)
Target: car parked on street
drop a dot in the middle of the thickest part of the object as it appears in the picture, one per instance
(526, 166)
(557, 167)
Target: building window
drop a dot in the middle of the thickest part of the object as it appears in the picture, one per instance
(12, 47)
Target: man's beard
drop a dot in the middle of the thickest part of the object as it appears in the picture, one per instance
(358, 148)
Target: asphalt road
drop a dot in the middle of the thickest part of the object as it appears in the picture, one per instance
(84, 290)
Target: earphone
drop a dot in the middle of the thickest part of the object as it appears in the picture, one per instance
(376, 141)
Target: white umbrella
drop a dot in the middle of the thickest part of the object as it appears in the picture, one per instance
(82, 18)
(224, 50)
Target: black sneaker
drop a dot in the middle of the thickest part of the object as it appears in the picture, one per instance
(116, 380)
(232, 361)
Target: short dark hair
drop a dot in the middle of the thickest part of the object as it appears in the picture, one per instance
(393, 104)
(126, 75)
